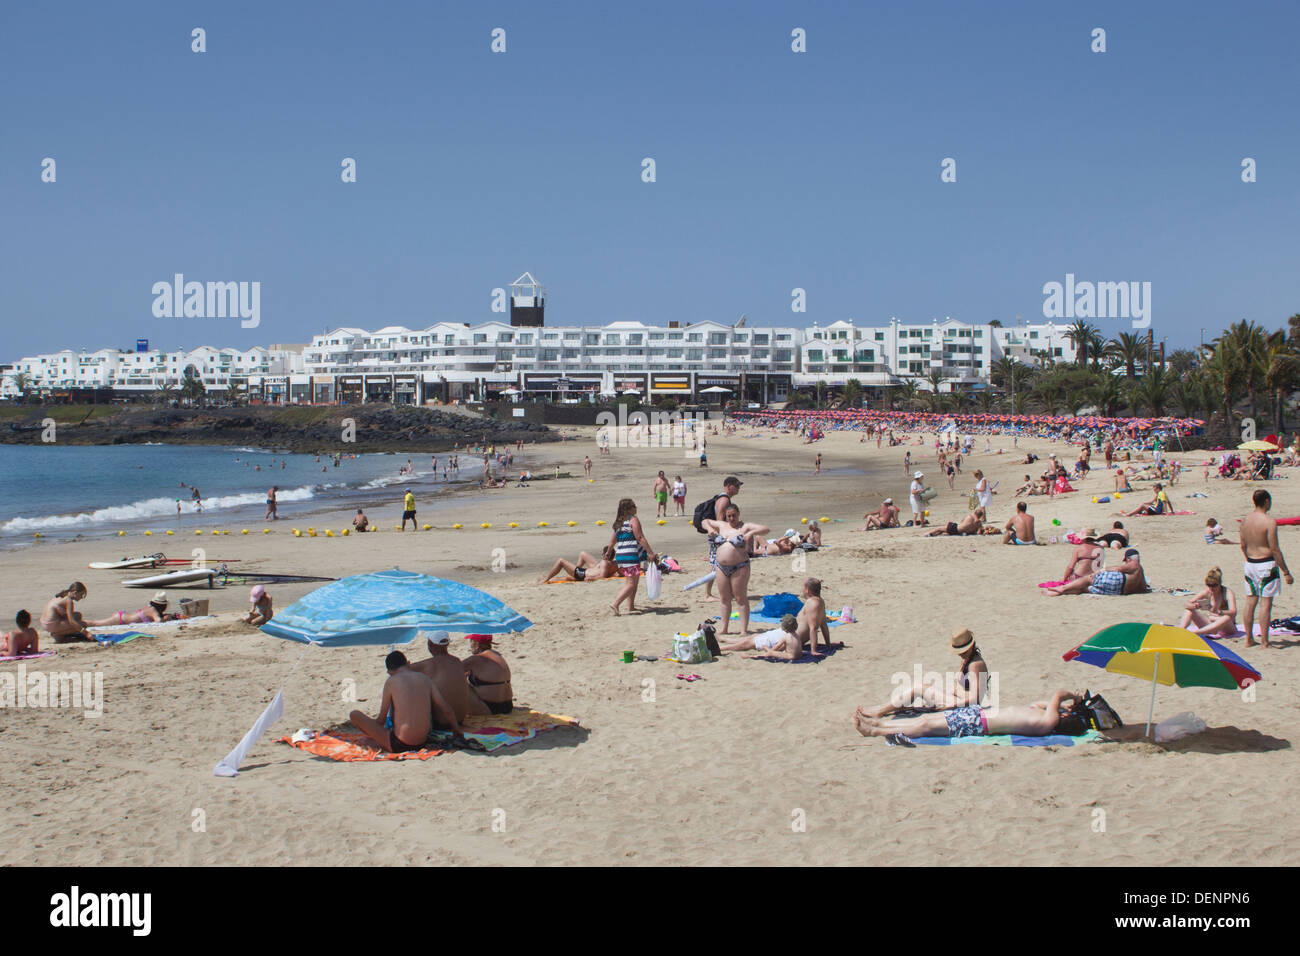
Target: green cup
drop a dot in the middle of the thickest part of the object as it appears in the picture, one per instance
(629, 657)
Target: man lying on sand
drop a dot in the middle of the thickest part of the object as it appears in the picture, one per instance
(586, 568)
(415, 705)
(1128, 578)
(973, 523)
(1039, 719)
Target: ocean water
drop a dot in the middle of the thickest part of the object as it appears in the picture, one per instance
(69, 490)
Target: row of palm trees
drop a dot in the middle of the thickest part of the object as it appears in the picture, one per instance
(191, 391)
(1125, 376)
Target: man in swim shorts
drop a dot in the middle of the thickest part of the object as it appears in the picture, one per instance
(447, 672)
(1039, 719)
(415, 705)
(1263, 561)
(1020, 528)
(409, 513)
(660, 491)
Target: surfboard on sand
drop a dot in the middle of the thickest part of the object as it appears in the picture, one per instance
(146, 561)
(173, 578)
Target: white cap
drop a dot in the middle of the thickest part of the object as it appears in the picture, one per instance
(436, 637)
(919, 474)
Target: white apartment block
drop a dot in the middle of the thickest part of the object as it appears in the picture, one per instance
(450, 361)
(143, 372)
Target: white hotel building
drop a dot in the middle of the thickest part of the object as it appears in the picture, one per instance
(523, 357)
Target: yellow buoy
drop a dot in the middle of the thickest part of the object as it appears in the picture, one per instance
(297, 533)
(927, 514)
(427, 527)
(458, 526)
(243, 531)
(329, 534)
(266, 531)
(572, 524)
(803, 520)
(823, 519)
(38, 534)
(1094, 499)
(600, 522)
(198, 532)
(591, 481)
(543, 524)
(121, 533)
(345, 532)
(311, 533)
(1118, 496)
(486, 524)
(514, 524)
(661, 521)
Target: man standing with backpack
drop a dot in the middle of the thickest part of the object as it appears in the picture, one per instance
(715, 508)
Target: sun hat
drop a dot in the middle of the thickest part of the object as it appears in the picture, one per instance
(159, 598)
(889, 501)
(919, 474)
(1088, 534)
(962, 640)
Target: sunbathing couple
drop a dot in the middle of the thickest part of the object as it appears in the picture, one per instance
(957, 711)
(973, 523)
(796, 631)
(437, 694)
(1128, 578)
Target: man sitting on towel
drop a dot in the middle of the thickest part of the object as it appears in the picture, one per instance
(416, 706)
(446, 671)
(1039, 719)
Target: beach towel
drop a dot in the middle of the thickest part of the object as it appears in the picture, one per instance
(998, 740)
(28, 657)
(832, 618)
(1052, 584)
(804, 659)
(493, 731)
(123, 637)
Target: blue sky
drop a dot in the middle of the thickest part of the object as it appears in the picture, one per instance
(775, 170)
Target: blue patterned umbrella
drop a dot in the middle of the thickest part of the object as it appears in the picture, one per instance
(391, 607)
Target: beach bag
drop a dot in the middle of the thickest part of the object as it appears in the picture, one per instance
(691, 649)
(778, 605)
(1098, 713)
(654, 582)
(705, 509)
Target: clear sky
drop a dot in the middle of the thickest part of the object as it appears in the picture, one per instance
(775, 170)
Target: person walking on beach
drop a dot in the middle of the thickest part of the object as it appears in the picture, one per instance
(679, 496)
(917, 502)
(1263, 561)
(408, 505)
(586, 465)
(660, 491)
(907, 461)
(817, 464)
(630, 549)
(271, 504)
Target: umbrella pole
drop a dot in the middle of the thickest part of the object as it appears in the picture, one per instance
(1155, 671)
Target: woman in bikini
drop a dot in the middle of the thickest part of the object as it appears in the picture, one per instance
(489, 678)
(630, 549)
(732, 563)
(1219, 602)
(966, 688)
(155, 612)
(61, 620)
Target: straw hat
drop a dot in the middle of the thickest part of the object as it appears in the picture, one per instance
(962, 640)
(1088, 534)
(159, 598)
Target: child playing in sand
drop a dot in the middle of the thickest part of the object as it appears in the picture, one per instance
(1214, 532)
(22, 641)
(262, 610)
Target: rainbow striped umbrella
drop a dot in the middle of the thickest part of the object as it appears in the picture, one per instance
(1164, 655)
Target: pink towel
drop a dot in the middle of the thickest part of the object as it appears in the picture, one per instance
(1053, 584)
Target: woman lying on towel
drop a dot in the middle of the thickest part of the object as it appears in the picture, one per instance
(156, 611)
(1039, 719)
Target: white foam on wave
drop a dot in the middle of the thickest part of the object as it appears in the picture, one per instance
(155, 508)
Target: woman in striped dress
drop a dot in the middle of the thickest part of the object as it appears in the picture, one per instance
(630, 549)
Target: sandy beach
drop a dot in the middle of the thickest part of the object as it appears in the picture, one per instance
(758, 763)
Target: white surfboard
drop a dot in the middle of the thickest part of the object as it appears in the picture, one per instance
(147, 561)
(171, 578)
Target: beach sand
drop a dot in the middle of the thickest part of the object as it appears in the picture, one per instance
(757, 763)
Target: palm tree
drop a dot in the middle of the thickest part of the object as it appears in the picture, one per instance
(1282, 372)
(1129, 348)
(1183, 361)
(852, 393)
(22, 383)
(233, 394)
(1249, 348)
(1082, 335)
(1108, 395)
(907, 392)
(165, 394)
(1152, 390)
(192, 388)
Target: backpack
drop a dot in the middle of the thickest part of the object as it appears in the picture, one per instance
(706, 509)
